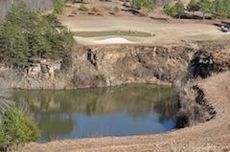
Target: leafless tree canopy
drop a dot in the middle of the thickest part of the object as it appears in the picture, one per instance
(35, 4)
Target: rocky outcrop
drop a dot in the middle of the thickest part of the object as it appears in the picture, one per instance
(194, 107)
(41, 71)
(201, 65)
(111, 65)
(116, 65)
(205, 62)
(100, 66)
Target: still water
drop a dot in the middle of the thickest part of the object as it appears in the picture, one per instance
(117, 111)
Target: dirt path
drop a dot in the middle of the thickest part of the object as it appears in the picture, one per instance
(213, 135)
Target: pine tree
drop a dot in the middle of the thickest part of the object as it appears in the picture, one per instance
(193, 6)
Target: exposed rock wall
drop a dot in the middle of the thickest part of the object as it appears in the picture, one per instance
(110, 65)
(116, 65)
(100, 66)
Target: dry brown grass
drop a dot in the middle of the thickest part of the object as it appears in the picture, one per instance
(208, 148)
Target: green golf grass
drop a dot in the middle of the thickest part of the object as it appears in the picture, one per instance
(112, 33)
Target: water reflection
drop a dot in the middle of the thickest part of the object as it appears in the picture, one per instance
(118, 111)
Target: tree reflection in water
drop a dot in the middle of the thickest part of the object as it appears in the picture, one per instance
(58, 112)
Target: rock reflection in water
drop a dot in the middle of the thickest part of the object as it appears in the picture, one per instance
(116, 111)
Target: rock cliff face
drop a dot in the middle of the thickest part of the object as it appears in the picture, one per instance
(100, 66)
(116, 65)
(110, 65)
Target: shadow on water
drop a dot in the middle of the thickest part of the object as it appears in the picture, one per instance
(117, 111)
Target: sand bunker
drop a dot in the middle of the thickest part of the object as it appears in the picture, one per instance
(117, 40)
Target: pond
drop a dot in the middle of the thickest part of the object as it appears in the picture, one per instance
(84, 113)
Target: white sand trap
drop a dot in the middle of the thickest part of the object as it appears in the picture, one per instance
(116, 40)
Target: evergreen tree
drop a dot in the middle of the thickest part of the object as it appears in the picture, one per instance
(16, 128)
(26, 34)
(146, 5)
(179, 9)
(176, 10)
(205, 6)
(58, 6)
(193, 6)
(221, 8)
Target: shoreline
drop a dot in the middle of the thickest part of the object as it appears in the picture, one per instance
(213, 133)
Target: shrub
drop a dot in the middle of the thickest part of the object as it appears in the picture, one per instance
(17, 129)
(221, 8)
(147, 5)
(179, 9)
(2, 137)
(116, 9)
(94, 10)
(205, 6)
(58, 6)
(143, 4)
(193, 6)
(13, 44)
(176, 10)
(168, 10)
(26, 33)
(83, 8)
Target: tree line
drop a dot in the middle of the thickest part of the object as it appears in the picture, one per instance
(25, 34)
(218, 8)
